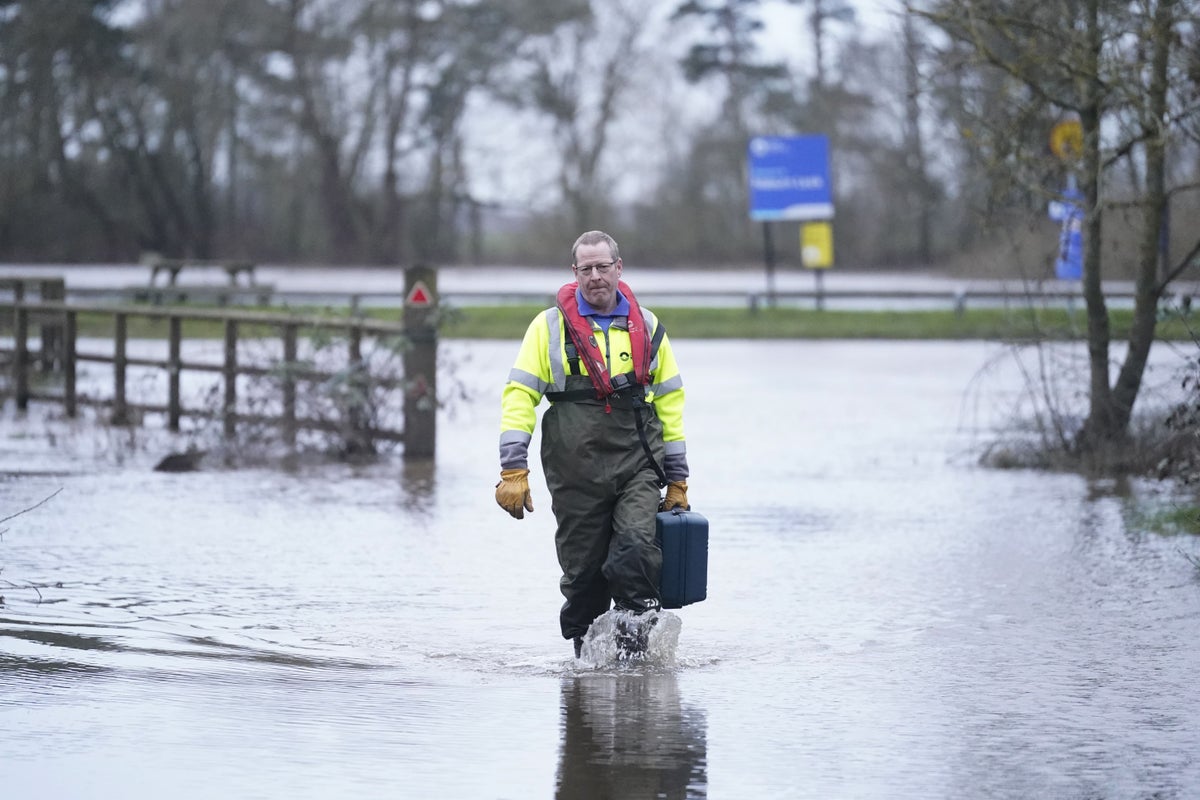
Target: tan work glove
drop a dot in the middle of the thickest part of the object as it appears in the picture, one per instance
(676, 496)
(512, 492)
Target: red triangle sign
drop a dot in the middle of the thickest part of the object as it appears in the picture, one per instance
(419, 295)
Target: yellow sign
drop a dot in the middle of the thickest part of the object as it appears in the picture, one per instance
(816, 244)
(1066, 139)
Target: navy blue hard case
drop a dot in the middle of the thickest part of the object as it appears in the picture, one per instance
(683, 537)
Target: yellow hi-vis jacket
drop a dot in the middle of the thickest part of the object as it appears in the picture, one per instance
(542, 367)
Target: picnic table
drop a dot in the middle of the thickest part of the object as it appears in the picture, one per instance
(173, 266)
(240, 286)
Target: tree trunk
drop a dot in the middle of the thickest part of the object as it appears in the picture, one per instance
(1145, 317)
(1102, 424)
(914, 145)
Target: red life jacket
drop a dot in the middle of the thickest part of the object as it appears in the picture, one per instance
(580, 330)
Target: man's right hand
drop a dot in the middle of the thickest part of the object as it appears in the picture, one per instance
(512, 492)
(676, 497)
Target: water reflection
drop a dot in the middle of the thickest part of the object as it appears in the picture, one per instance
(627, 736)
(418, 486)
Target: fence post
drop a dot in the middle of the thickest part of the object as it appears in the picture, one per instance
(120, 413)
(53, 290)
(960, 302)
(289, 385)
(174, 367)
(70, 335)
(20, 352)
(358, 434)
(230, 411)
(420, 362)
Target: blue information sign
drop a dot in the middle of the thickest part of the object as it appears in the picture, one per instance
(1068, 265)
(789, 178)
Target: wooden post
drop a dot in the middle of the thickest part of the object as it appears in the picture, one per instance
(420, 362)
(20, 352)
(358, 435)
(52, 290)
(174, 367)
(289, 385)
(230, 410)
(120, 412)
(70, 335)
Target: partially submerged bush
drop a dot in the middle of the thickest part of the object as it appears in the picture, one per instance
(1046, 417)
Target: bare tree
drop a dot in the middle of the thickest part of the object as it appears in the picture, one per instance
(577, 78)
(1120, 69)
(53, 56)
(821, 12)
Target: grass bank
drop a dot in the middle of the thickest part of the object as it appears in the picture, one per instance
(509, 322)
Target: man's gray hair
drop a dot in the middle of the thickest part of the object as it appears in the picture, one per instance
(596, 237)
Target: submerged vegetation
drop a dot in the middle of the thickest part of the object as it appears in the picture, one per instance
(11, 584)
(1161, 443)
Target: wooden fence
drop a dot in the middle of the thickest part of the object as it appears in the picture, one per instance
(59, 346)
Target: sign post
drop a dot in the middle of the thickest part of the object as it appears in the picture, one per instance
(420, 363)
(789, 180)
(816, 252)
(1068, 265)
(1066, 142)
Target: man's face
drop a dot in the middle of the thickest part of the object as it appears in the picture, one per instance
(598, 274)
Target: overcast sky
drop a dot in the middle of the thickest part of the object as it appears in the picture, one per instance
(786, 33)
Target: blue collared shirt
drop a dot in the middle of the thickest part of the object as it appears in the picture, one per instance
(603, 320)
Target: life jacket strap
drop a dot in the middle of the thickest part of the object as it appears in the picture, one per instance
(626, 391)
(573, 357)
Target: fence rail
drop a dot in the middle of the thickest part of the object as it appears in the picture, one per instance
(59, 347)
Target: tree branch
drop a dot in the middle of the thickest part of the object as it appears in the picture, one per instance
(1179, 268)
(43, 501)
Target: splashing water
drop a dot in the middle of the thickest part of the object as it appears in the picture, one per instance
(608, 639)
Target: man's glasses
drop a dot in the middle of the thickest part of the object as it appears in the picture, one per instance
(601, 269)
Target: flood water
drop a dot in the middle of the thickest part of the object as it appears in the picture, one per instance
(885, 619)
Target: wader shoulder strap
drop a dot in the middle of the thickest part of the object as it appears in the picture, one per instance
(573, 395)
(641, 429)
(572, 356)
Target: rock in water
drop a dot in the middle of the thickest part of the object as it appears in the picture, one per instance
(181, 462)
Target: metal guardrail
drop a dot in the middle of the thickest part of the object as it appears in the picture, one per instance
(957, 299)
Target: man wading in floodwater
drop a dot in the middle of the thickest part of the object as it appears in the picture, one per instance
(612, 437)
